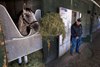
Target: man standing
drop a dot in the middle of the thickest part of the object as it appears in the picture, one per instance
(76, 32)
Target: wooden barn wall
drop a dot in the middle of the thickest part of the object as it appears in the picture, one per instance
(14, 7)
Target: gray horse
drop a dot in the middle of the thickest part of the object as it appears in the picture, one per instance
(27, 21)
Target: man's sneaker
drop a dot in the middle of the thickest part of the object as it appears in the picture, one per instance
(71, 54)
(78, 52)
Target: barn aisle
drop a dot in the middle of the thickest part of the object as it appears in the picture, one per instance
(89, 57)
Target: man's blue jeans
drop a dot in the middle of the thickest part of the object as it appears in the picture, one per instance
(75, 44)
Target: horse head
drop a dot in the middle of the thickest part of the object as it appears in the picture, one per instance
(29, 21)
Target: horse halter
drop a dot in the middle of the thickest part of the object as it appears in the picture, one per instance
(29, 24)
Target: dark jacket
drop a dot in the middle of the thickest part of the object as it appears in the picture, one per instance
(76, 30)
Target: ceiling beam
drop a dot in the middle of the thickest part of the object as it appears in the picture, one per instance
(96, 3)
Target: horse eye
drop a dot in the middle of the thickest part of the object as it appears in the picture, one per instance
(27, 15)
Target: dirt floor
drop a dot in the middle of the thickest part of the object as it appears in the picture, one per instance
(89, 57)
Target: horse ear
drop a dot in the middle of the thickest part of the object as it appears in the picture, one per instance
(24, 6)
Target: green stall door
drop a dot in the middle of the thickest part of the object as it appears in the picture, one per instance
(50, 48)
